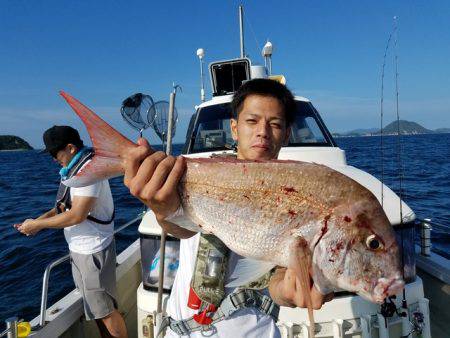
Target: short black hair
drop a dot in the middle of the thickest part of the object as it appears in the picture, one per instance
(265, 87)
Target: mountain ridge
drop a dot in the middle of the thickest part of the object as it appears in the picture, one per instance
(11, 142)
(406, 128)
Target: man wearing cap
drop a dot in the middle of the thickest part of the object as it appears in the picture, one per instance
(87, 216)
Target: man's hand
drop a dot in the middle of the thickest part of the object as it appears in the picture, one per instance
(28, 227)
(285, 289)
(153, 178)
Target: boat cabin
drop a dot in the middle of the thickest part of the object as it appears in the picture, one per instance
(209, 128)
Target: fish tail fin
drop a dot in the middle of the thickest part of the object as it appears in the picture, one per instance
(109, 147)
(300, 262)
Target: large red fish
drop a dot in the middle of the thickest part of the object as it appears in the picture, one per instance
(274, 213)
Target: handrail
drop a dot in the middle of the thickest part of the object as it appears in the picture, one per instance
(11, 328)
(426, 226)
(45, 280)
(60, 260)
(436, 225)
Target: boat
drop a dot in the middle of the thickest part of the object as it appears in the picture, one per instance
(420, 312)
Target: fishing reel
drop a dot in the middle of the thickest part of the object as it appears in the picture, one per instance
(388, 309)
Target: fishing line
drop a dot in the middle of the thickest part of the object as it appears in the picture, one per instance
(381, 118)
(258, 46)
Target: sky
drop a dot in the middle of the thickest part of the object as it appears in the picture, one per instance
(330, 52)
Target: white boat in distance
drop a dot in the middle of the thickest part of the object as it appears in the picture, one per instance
(420, 314)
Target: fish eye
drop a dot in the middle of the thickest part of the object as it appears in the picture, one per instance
(373, 243)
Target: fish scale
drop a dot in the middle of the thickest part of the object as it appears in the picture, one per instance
(259, 203)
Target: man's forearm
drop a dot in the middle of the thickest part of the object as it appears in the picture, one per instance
(58, 221)
(50, 213)
(176, 230)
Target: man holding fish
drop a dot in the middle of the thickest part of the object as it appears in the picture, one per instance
(262, 113)
(308, 218)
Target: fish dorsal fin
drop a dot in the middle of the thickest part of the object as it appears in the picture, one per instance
(248, 270)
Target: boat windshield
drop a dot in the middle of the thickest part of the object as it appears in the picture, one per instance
(209, 129)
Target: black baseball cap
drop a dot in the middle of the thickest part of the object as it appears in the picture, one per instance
(57, 138)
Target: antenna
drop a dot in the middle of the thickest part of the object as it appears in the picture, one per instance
(241, 29)
(201, 54)
(267, 54)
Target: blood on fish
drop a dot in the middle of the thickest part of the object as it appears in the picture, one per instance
(335, 250)
(347, 219)
(289, 190)
(292, 213)
(325, 225)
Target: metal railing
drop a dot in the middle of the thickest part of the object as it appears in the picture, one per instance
(426, 226)
(57, 262)
(11, 328)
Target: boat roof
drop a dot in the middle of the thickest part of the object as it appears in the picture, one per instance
(228, 98)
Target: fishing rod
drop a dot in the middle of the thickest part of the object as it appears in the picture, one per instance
(388, 308)
(399, 159)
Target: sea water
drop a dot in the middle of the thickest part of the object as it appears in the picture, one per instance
(29, 180)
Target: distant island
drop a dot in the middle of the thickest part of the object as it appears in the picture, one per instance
(406, 128)
(10, 142)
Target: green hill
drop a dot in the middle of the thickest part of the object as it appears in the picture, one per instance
(10, 142)
(406, 128)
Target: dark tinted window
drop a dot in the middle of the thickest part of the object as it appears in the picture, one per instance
(212, 130)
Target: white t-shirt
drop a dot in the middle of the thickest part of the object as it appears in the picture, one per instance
(89, 237)
(248, 323)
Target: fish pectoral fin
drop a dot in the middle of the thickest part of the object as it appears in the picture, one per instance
(300, 260)
(248, 270)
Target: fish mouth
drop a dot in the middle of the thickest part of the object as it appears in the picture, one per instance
(387, 287)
